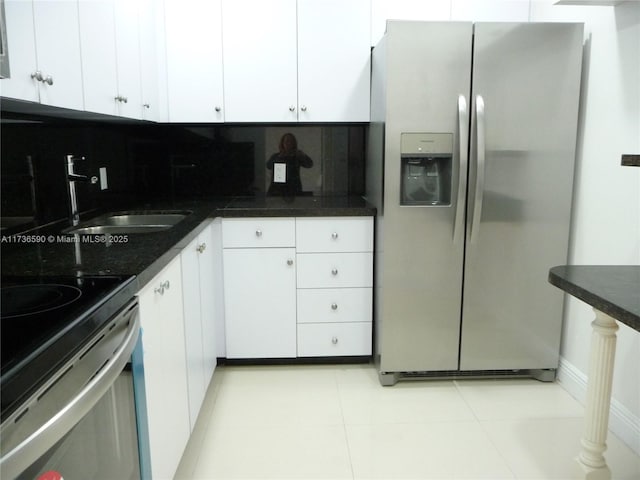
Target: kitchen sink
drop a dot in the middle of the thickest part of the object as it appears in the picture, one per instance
(130, 222)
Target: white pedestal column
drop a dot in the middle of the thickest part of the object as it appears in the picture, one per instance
(603, 348)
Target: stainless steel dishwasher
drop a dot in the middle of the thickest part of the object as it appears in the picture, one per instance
(68, 396)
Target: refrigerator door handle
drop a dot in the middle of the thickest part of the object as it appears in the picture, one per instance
(463, 140)
(480, 159)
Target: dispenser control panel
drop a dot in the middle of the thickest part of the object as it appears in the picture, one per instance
(426, 161)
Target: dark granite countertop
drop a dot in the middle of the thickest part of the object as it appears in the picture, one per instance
(305, 206)
(611, 289)
(145, 255)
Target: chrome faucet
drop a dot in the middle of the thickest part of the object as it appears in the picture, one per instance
(72, 178)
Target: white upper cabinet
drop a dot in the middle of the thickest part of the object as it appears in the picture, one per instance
(21, 38)
(288, 61)
(194, 58)
(99, 74)
(260, 60)
(333, 60)
(128, 58)
(45, 53)
(58, 53)
(110, 57)
(152, 60)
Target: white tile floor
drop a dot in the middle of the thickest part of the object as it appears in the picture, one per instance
(337, 422)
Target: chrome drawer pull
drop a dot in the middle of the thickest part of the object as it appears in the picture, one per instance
(334, 306)
(258, 233)
(334, 340)
(289, 262)
(334, 272)
(334, 235)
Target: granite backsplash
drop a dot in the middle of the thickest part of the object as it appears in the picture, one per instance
(147, 162)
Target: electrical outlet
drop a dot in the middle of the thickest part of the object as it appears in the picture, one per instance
(103, 178)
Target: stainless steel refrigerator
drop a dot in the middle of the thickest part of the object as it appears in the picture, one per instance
(470, 165)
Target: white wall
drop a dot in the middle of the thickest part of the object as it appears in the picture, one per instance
(605, 227)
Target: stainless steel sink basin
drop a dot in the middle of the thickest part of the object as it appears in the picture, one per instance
(143, 219)
(129, 222)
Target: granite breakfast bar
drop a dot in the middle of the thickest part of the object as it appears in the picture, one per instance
(614, 293)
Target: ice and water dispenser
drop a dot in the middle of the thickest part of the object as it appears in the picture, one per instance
(426, 162)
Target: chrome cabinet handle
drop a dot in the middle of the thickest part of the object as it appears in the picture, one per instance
(334, 271)
(218, 108)
(303, 108)
(480, 161)
(334, 340)
(289, 262)
(334, 306)
(334, 235)
(258, 233)
(37, 75)
(122, 99)
(292, 108)
(162, 287)
(201, 248)
(463, 141)
(146, 105)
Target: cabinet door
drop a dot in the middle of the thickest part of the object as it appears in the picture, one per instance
(260, 60)
(99, 74)
(22, 41)
(193, 328)
(208, 299)
(128, 58)
(198, 299)
(165, 368)
(58, 52)
(260, 304)
(194, 59)
(333, 60)
(151, 39)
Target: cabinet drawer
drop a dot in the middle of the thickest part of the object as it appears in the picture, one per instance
(334, 305)
(334, 270)
(334, 339)
(334, 234)
(258, 232)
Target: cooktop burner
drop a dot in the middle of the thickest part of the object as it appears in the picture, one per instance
(46, 320)
(21, 300)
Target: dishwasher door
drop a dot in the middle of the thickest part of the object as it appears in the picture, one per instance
(103, 445)
(82, 424)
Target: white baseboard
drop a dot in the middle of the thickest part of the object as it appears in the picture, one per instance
(622, 422)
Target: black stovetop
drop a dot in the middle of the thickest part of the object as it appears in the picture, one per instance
(44, 321)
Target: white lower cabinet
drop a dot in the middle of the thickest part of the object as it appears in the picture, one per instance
(334, 305)
(260, 302)
(199, 315)
(178, 309)
(298, 287)
(334, 339)
(335, 280)
(165, 369)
